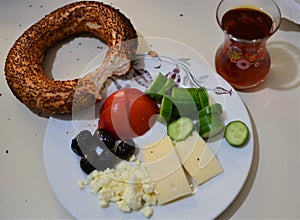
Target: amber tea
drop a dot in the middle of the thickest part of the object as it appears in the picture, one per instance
(243, 59)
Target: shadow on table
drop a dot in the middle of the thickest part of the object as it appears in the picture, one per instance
(285, 67)
(239, 200)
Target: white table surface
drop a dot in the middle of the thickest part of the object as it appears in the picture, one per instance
(272, 188)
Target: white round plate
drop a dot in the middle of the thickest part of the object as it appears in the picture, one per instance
(210, 199)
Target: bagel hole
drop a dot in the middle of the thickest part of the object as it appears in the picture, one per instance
(69, 58)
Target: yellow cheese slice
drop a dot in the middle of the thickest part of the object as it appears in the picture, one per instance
(165, 169)
(198, 159)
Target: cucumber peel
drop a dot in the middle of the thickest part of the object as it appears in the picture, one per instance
(203, 97)
(166, 108)
(186, 102)
(210, 109)
(159, 87)
(154, 91)
(211, 129)
(209, 119)
(194, 94)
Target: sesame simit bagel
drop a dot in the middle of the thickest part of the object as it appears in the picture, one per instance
(24, 63)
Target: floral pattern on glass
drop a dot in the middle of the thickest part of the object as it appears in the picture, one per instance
(245, 58)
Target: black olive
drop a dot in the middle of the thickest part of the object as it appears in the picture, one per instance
(86, 166)
(107, 159)
(103, 136)
(125, 149)
(75, 147)
(83, 143)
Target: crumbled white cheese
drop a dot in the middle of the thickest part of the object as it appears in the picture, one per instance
(128, 185)
(132, 158)
(147, 211)
(103, 203)
(82, 184)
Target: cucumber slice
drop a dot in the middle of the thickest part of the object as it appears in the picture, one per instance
(181, 94)
(180, 129)
(209, 119)
(184, 109)
(158, 83)
(211, 129)
(184, 104)
(168, 85)
(210, 109)
(166, 108)
(197, 95)
(194, 93)
(203, 97)
(236, 133)
(159, 87)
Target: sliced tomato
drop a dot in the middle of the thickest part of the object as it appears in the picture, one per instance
(114, 116)
(126, 113)
(142, 115)
(109, 100)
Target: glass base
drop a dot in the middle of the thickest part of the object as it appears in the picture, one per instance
(238, 87)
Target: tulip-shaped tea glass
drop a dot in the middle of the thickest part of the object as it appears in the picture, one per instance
(243, 59)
